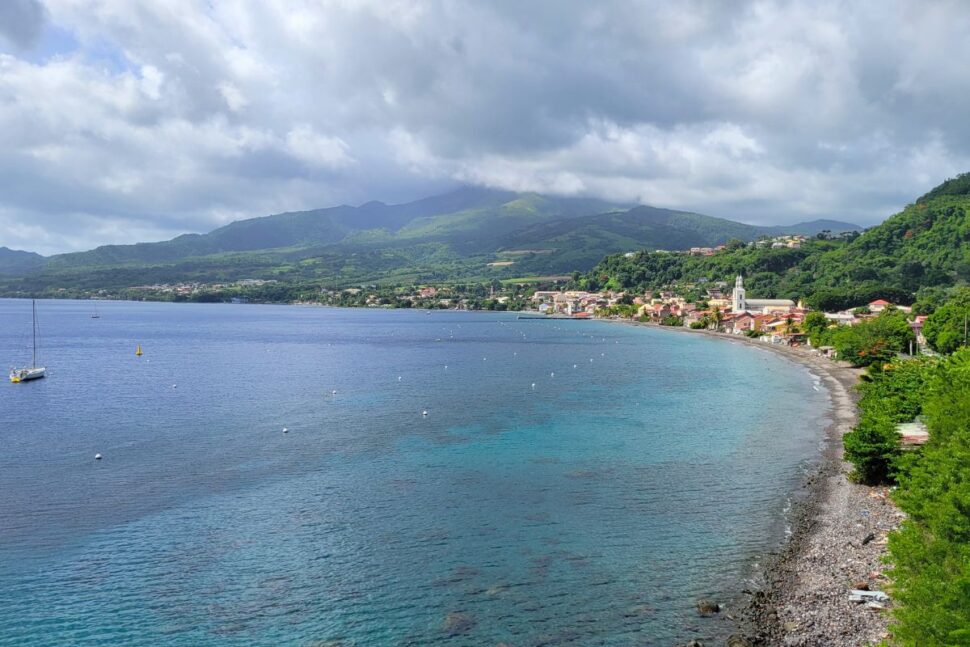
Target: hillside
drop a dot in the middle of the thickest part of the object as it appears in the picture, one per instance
(918, 253)
(15, 261)
(468, 234)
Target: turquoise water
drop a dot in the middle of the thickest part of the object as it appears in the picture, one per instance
(644, 470)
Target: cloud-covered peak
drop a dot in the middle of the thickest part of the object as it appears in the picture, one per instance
(129, 121)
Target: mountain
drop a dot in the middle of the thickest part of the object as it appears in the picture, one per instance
(467, 234)
(15, 261)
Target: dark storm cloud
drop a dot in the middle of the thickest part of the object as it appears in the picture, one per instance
(175, 115)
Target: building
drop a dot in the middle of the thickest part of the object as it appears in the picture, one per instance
(740, 303)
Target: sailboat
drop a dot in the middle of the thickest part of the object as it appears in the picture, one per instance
(33, 371)
(95, 314)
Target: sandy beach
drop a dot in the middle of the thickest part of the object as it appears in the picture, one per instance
(837, 540)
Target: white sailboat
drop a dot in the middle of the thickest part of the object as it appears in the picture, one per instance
(33, 371)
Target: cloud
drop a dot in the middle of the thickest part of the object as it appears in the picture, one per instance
(21, 22)
(178, 115)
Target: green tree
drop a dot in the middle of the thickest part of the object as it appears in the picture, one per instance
(947, 328)
(815, 325)
(874, 341)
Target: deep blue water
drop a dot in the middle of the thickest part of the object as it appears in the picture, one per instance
(644, 470)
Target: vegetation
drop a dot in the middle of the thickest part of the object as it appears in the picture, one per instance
(469, 235)
(891, 395)
(917, 256)
(930, 552)
(873, 341)
(947, 328)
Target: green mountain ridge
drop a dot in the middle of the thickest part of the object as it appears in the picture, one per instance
(454, 236)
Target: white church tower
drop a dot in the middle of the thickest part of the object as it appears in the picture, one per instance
(738, 303)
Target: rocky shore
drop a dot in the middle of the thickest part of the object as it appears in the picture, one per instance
(837, 540)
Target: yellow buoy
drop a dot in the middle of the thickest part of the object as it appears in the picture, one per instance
(138, 350)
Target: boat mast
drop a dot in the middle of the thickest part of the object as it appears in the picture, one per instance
(33, 307)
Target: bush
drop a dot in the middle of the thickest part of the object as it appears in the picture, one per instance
(872, 448)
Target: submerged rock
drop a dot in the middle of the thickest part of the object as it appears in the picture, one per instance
(457, 622)
(708, 608)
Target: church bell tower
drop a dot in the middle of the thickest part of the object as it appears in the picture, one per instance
(737, 296)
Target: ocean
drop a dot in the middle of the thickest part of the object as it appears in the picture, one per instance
(445, 478)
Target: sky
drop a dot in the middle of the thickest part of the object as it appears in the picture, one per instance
(136, 120)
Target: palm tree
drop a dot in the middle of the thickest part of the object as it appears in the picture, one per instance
(717, 316)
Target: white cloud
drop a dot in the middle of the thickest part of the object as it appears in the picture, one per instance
(156, 118)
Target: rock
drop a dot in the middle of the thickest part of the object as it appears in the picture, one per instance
(708, 608)
(737, 640)
(457, 622)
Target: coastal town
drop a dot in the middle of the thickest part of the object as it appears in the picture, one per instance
(776, 321)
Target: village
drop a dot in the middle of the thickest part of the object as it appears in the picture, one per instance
(775, 321)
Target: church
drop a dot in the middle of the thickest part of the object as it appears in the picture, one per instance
(739, 303)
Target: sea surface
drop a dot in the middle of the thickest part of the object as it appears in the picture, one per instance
(573, 483)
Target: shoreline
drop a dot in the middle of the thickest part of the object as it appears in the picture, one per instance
(804, 585)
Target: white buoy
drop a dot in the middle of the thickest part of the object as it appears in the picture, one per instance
(285, 430)
(424, 413)
(175, 386)
(533, 386)
(446, 367)
(333, 392)
(97, 457)
(552, 375)
(398, 378)
(574, 366)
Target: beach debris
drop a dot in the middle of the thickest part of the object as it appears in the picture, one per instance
(457, 622)
(860, 595)
(871, 536)
(97, 457)
(707, 607)
(860, 585)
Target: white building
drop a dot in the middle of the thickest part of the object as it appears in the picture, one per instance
(740, 303)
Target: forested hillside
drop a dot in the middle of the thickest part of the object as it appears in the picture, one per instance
(916, 254)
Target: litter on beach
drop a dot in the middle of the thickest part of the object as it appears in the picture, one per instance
(857, 595)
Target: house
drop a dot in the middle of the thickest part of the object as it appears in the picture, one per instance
(912, 434)
(878, 305)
